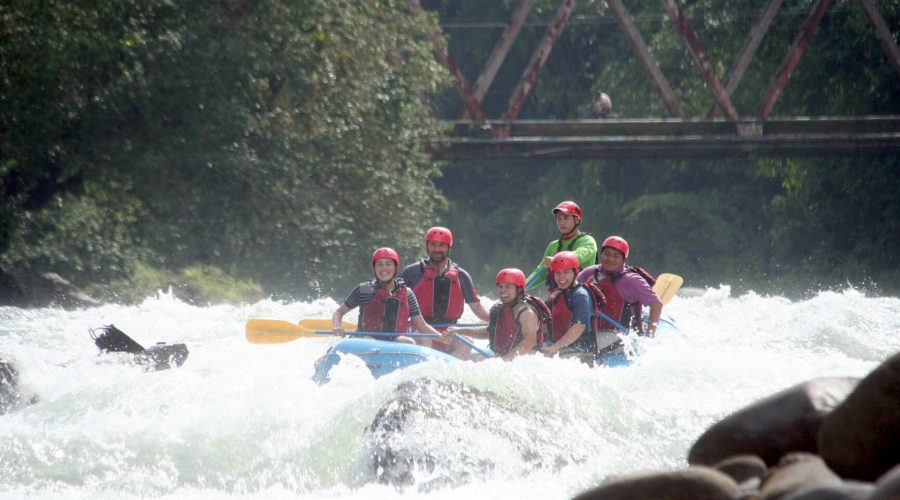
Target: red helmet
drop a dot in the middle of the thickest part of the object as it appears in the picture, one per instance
(568, 208)
(439, 234)
(616, 242)
(565, 260)
(386, 253)
(511, 275)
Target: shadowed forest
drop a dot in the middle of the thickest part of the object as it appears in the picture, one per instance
(245, 149)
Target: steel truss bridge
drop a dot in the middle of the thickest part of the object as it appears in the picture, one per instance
(723, 131)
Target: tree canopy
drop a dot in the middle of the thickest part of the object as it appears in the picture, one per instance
(279, 143)
(266, 138)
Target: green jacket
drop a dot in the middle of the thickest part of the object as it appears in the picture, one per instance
(585, 247)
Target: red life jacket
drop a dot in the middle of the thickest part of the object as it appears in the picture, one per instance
(504, 330)
(387, 311)
(628, 315)
(440, 298)
(562, 315)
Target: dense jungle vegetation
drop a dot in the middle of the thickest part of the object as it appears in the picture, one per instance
(242, 149)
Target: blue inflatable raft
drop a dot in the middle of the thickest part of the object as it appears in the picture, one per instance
(381, 356)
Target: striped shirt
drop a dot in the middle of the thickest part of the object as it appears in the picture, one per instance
(363, 293)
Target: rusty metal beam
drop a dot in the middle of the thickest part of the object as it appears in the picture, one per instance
(700, 59)
(883, 33)
(675, 138)
(657, 79)
(498, 55)
(462, 86)
(789, 64)
(754, 38)
(533, 69)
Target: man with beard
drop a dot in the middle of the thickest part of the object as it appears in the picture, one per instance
(385, 303)
(568, 222)
(442, 288)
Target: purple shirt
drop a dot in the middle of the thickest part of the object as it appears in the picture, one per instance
(632, 287)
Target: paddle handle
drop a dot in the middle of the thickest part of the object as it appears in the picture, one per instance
(448, 325)
(381, 334)
(411, 334)
(536, 277)
(473, 346)
(614, 322)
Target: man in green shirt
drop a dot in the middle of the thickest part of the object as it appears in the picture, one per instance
(568, 221)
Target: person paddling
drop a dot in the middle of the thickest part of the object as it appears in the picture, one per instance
(515, 326)
(626, 288)
(573, 310)
(385, 303)
(442, 288)
(568, 222)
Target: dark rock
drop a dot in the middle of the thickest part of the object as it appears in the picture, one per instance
(796, 472)
(692, 483)
(12, 395)
(42, 290)
(860, 439)
(781, 423)
(747, 471)
(848, 490)
(161, 356)
(888, 485)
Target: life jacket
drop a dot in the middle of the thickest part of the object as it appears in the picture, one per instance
(440, 297)
(628, 314)
(570, 244)
(387, 311)
(562, 315)
(504, 330)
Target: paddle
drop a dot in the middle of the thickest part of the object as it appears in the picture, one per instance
(667, 286)
(469, 343)
(325, 324)
(275, 331)
(536, 277)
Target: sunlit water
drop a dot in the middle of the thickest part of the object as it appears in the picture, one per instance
(244, 420)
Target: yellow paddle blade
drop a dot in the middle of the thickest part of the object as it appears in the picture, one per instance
(274, 331)
(667, 286)
(325, 324)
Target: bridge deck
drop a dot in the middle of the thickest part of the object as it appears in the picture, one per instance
(671, 137)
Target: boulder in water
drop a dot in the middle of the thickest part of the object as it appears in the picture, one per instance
(796, 472)
(161, 356)
(887, 487)
(12, 396)
(784, 422)
(434, 434)
(860, 439)
(695, 483)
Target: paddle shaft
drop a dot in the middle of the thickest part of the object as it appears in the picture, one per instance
(412, 335)
(382, 334)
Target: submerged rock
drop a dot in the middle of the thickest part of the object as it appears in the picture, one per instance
(434, 434)
(12, 395)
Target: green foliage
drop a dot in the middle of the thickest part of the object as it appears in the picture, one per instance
(213, 146)
(200, 284)
(281, 140)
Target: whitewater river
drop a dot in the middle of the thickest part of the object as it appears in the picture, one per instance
(239, 420)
